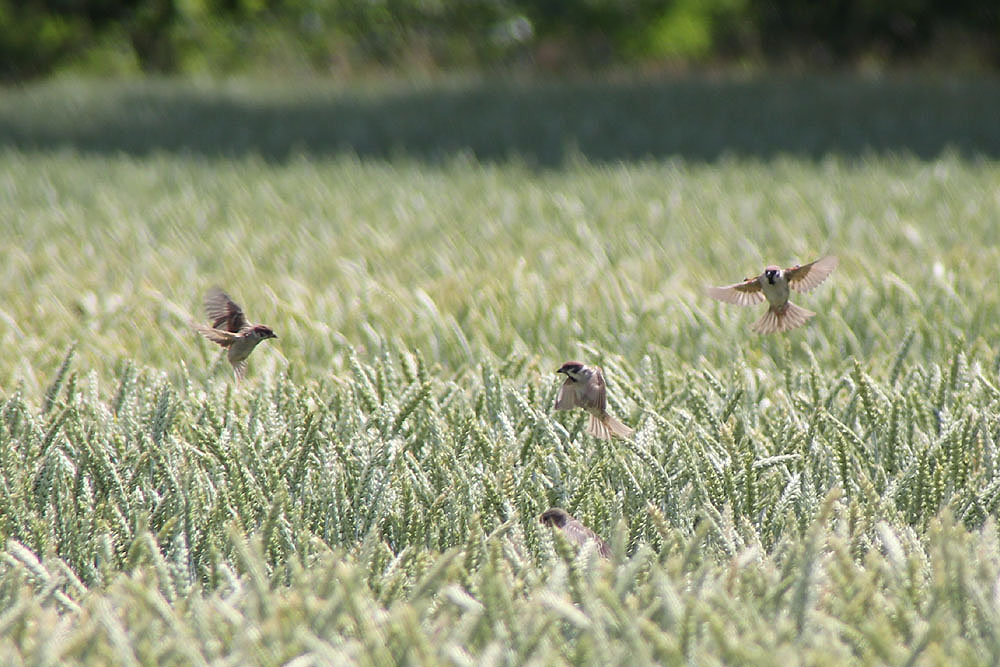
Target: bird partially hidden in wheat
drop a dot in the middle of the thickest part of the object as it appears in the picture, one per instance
(574, 531)
(773, 285)
(585, 388)
(231, 329)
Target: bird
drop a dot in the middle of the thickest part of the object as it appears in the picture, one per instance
(231, 329)
(773, 285)
(585, 388)
(573, 530)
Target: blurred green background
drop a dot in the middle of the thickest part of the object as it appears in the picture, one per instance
(355, 37)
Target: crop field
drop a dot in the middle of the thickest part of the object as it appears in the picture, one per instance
(428, 255)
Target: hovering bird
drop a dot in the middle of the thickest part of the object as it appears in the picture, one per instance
(585, 388)
(231, 330)
(773, 285)
(574, 531)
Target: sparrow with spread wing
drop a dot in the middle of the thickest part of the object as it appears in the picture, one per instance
(231, 329)
(574, 531)
(585, 388)
(773, 285)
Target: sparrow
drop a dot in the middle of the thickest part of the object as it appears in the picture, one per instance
(231, 330)
(773, 285)
(585, 388)
(573, 530)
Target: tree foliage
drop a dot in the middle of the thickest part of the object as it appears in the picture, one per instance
(166, 36)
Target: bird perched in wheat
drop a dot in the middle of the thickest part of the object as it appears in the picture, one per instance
(574, 531)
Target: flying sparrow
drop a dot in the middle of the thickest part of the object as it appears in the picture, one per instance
(773, 285)
(585, 388)
(231, 330)
(574, 530)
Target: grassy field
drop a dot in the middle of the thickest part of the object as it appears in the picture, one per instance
(428, 256)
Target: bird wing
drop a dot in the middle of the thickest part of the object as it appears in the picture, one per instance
(805, 278)
(225, 313)
(579, 533)
(240, 370)
(746, 293)
(566, 400)
(595, 394)
(219, 336)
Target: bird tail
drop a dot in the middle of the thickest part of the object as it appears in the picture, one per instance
(607, 426)
(782, 318)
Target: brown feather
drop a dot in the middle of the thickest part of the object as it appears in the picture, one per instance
(808, 277)
(574, 531)
(615, 427)
(220, 337)
(781, 319)
(597, 391)
(224, 313)
(566, 400)
(597, 428)
(747, 293)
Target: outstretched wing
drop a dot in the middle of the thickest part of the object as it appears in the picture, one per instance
(218, 336)
(595, 395)
(580, 534)
(746, 293)
(566, 400)
(224, 313)
(805, 278)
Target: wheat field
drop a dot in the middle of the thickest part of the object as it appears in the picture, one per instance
(370, 494)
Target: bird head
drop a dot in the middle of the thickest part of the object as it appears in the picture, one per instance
(262, 332)
(772, 273)
(574, 370)
(554, 517)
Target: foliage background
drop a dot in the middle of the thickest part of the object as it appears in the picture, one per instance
(351, 38)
